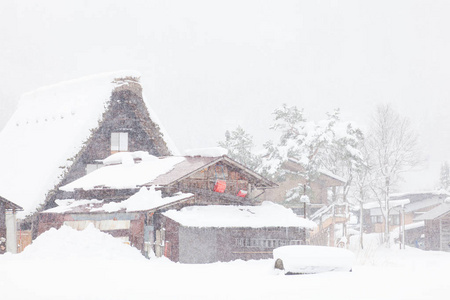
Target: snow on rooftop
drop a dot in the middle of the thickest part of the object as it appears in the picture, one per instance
(123, 176)
(268, 214)
(127, 158)
(392, 204)
(145, 199)
(47, 130)
(67, 205)
(206, 152)
(332, 175)
(440, 192)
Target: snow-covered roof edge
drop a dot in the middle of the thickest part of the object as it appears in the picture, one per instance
(113, 75)
(165, 135)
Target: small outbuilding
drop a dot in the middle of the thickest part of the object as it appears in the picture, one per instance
(205, 234)
(8, 242)
(437, 228)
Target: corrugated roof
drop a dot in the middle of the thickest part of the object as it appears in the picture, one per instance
(435, 213)
(423, 204)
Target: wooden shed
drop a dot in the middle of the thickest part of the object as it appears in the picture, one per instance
(205, 234)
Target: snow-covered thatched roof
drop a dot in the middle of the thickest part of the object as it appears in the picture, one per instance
(48, 130)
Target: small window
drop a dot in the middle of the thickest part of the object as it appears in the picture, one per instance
(394, 220)
(92, 167)
(119, 141)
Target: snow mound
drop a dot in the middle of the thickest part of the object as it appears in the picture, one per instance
(314, 259)
(67, 243)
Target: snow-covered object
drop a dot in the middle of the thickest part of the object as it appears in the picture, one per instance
(206, 152)
(392, 204)
(145, 199)
(314, 259)
(122, 176)
(47, 130)
(69, 204)
(268, 214)
(67, 243)
(332, 175)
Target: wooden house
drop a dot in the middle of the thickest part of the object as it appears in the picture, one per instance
(103, 198)
(59, 132)
(437, 228)
(323, 207)
(8, 242)
(320, 188)
(418, 204)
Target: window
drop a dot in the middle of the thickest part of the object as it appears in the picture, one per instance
(377, 219)
(119, 141)
(394, 220)
(265, 243)
(92, 167)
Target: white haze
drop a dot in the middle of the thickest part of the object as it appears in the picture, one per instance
(209, 66)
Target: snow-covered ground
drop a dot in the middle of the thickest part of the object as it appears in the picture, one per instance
(67, 264)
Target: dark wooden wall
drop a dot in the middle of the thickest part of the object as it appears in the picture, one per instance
(207, 178)
(432, 233)
(2, 219)
(206, 245)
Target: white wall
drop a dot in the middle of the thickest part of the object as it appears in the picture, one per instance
(11, 232)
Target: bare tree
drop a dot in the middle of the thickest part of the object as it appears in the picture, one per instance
(360, 187)
(393, 148)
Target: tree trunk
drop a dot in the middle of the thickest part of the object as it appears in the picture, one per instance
(386, 225)
(361, 216)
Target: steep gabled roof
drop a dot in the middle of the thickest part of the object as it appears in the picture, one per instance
(48, 131)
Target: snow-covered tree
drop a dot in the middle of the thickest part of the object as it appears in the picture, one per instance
(344, 154)
(240, 148)
(445, 176)
(325, 145)
(392, 146)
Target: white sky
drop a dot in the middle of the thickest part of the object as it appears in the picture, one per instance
(209, 66)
